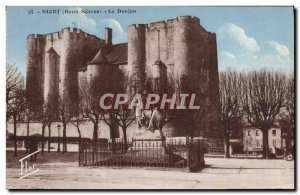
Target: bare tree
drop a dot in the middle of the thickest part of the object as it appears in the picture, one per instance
(263, 98)
(288, 114)
(125, 117)
(47, 114)
(96, 87)
(90, 108)
(194, 83)
(14, 81)
(49, 125)
(230, 103)
(110, 118)
(17, 112)
(77, 120)
(64, 115)
(15, 98)
(51, 116)
(29, 115)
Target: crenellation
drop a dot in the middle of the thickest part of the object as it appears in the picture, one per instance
(31, 36)
(159, 25)
(56, 36)
(170, 23)
(66, 30)
(39, 36)
(49, 37)
(132, 26)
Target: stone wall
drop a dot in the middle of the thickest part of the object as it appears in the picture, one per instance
(73, 48)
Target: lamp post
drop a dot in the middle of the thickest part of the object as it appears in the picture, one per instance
(58, 137)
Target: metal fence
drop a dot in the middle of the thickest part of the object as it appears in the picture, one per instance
(141, 152)
(214, 146)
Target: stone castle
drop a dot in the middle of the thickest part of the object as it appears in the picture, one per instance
(58, 62)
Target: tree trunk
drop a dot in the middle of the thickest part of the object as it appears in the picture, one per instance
(95, 131)
(163, 138)
(125, 138)
(79, 133)
(49, 136)
(112, 136)
(79, 144)
(27, 135)
(95, 138)
(43, 138)
(64, 138)
(266, 151)
(15, 134)
(227, 144)
(79, 136)
(28, 123)
(288, 139)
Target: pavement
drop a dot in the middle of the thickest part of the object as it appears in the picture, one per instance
(58, 171)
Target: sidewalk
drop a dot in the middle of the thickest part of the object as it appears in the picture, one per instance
(219, 174)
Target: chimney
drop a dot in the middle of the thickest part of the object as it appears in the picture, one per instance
(108, 36)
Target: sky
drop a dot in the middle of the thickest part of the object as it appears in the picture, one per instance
(248, 38)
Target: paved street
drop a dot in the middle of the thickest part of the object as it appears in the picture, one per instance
(219, 174)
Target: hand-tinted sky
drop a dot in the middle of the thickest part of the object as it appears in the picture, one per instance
(248, 38)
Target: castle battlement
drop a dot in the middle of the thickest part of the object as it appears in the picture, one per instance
(188, 18)
(181, 20)
(72, 32)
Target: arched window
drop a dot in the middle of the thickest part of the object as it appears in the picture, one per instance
(257, 132)
(274, 132)
(249, 132)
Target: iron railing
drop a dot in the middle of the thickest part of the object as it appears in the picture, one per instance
(140, 152)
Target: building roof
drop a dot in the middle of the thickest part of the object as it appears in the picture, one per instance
(51, 50)
(100, 58)
(82, 68)
(158, 63)
(116, 55)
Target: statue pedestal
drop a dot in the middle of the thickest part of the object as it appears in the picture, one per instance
(143, 139)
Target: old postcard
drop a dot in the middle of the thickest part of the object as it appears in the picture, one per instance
(150, 97)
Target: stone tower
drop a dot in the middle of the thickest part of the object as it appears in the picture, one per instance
(52, 61)
(176, 49)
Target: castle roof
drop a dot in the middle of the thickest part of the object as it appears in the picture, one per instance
(118, 54)
(158, 63)
(51, 50)
(114, 55)
(99, 58)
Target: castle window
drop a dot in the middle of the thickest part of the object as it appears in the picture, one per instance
(257, 133)
(249, 132)
(274, 132)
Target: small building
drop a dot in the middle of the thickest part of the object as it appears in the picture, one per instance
(253, 140)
